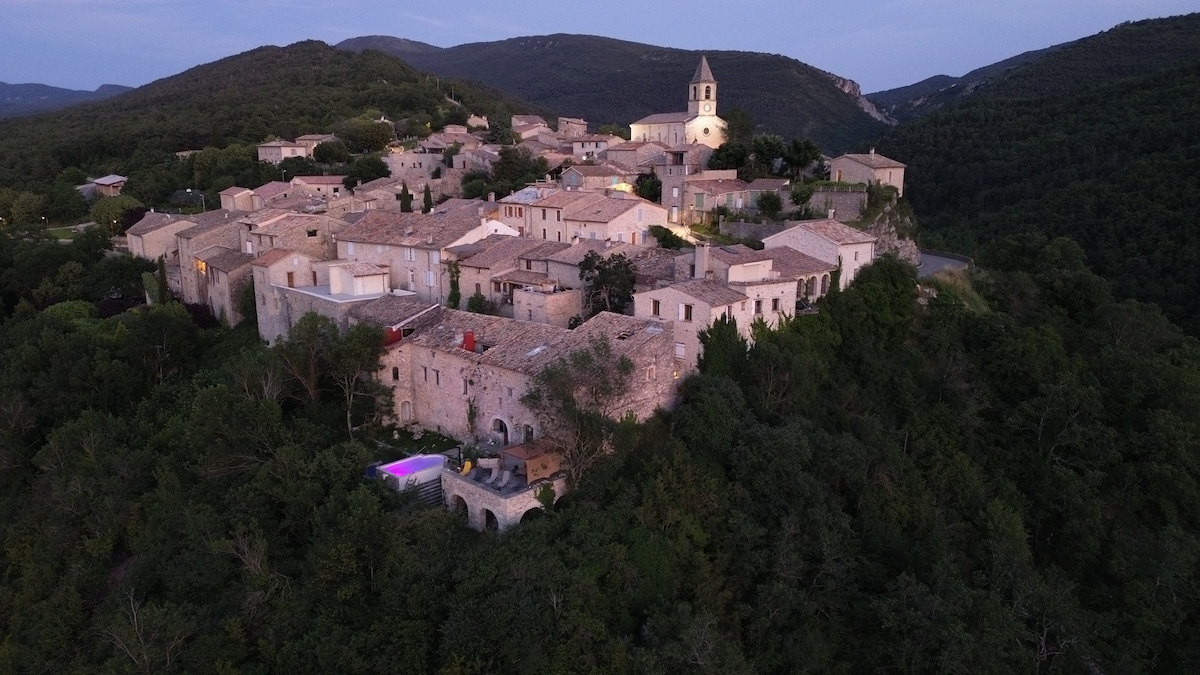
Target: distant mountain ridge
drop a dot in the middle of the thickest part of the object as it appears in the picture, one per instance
(1129, 50)
(608, 81)
(26, 99)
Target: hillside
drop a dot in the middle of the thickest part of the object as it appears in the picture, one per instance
(937, 92)
(1127, 51)
(26, 99)
(281, 91)
(1116, 167)
(610, 81)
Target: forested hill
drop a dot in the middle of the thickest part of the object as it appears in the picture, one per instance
(1001, 478)
(1130, 50)
(26, 99)
(609, 81)
(1117, 168)
(283, 91)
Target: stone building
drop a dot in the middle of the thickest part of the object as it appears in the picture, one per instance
(464, 374)
(830, 241)
(412, 245)
(700, 124)
(868, 168)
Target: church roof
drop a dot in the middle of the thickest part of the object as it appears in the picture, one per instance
(665, 118)
(703, 74)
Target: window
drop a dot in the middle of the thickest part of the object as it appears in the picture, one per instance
(478, 289)
(650, 373)
(543, 233)
(774, 304)
(758, 306)
(464, 387)
(621, 237)
(685, 312)
(655, 308)
(430, 279)
(410, 254)
(675, 192)
(310, 233)
(425, 372)
(707, 92)
(349, 248)
(558, 216)
(395, 373)
(856, 255)
(640, 213)
(680, 350)
(437, 377)
(529, 264)
(510, 391)
(543, 214)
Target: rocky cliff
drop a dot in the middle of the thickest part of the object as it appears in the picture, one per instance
(896, 228)
(851, 87)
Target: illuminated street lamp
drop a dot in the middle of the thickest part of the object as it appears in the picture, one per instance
(203, 206)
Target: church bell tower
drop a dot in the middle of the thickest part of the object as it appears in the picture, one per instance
(702, 91)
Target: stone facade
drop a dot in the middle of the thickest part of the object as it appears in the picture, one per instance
(481, 501)
(700, 124)
(830, 241)
(868, 168)
(555, 308)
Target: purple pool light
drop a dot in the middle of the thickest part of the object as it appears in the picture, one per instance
(419, 469)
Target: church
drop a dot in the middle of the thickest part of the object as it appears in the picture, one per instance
(699, 124)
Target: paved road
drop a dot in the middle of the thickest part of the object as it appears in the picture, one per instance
(932, 264)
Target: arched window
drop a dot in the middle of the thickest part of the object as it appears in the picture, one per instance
(501, 430)
(693, 92)
(824, 284)
(808, 286)
(707, 92)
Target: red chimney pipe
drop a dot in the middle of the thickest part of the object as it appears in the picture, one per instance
(469, 340)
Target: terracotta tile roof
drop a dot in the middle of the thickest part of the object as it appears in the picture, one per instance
(709, 292)
(875, 161)
(320, 138)
(272, 190)
(768, 184)
(390, 310)
(564, 198)
(665, 118)
(233, 191)
(379, 183)
(544, 250)
(280, 144)
(445, 224)
(606, 210)
(717, 187)
(289, 223)
(787, 261)
(224, 259)
(526, 277)
(320, 180)
(498, 249)
(836, 232)
(152, 222)
(595, 170)
(210, 220)
(527, 119)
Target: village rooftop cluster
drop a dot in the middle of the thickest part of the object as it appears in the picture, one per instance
(312, 245)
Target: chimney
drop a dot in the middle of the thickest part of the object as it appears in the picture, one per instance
(491, 196)
(702, 252)
(872, 152)
(830, 215)
(468, 340)
(429, 239)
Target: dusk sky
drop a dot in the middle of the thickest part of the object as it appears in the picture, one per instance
(881, 44)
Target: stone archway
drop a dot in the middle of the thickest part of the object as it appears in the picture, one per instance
(405, 412)
(809, 286)
(490, 522)
(824, 284)
(458, 504)
(501, 430)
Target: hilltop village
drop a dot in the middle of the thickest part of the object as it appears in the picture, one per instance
(476, 296)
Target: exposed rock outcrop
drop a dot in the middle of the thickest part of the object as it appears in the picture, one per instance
(894, 231)
(851, 87)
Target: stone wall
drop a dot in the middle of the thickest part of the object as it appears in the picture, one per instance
(479, 499)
